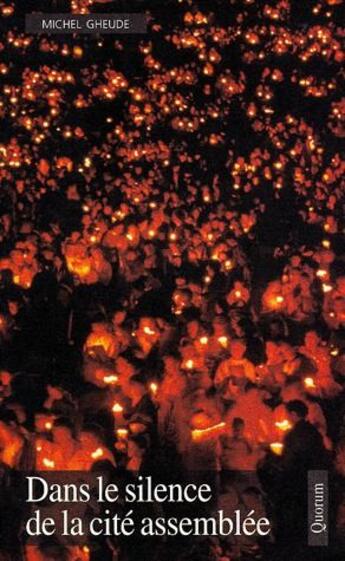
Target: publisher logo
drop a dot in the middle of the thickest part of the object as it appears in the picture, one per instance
(93, 23)
(318, 500)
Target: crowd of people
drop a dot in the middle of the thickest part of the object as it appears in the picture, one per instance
(172, 279)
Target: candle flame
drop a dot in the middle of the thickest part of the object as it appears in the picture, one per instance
(277, 448)
(122, 433)
(111, 379)
(190, 364)
(284, 425)
(154, 387)
(149, 331)
(327, 287)
(223, 340)
(321, 273)
(117, 408)
(309, 383)
(97, 453)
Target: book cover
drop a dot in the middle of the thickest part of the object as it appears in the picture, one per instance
(172, 280)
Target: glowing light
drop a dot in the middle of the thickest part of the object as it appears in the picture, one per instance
(149, 331)
(327, 288)
(111, 379)
(97, 453)
(309, 383)
(197, 434)
(223, 341)
(117, 408)
(277, 448)
(284, 425)
(48, 463)
(154, 388)
(122, 433)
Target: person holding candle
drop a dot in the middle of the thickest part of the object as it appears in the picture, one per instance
(303, 450)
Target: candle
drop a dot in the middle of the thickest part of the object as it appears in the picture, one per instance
(309, 383)
(326, 287)
(198, 434)
(50, 464)
(117, 408)
(223, 341)
(153, 388)
(122, 433)
(277, 448)
(111, 379)
(86, 552)
(97, 453)
(284, 425)
(189, 364)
